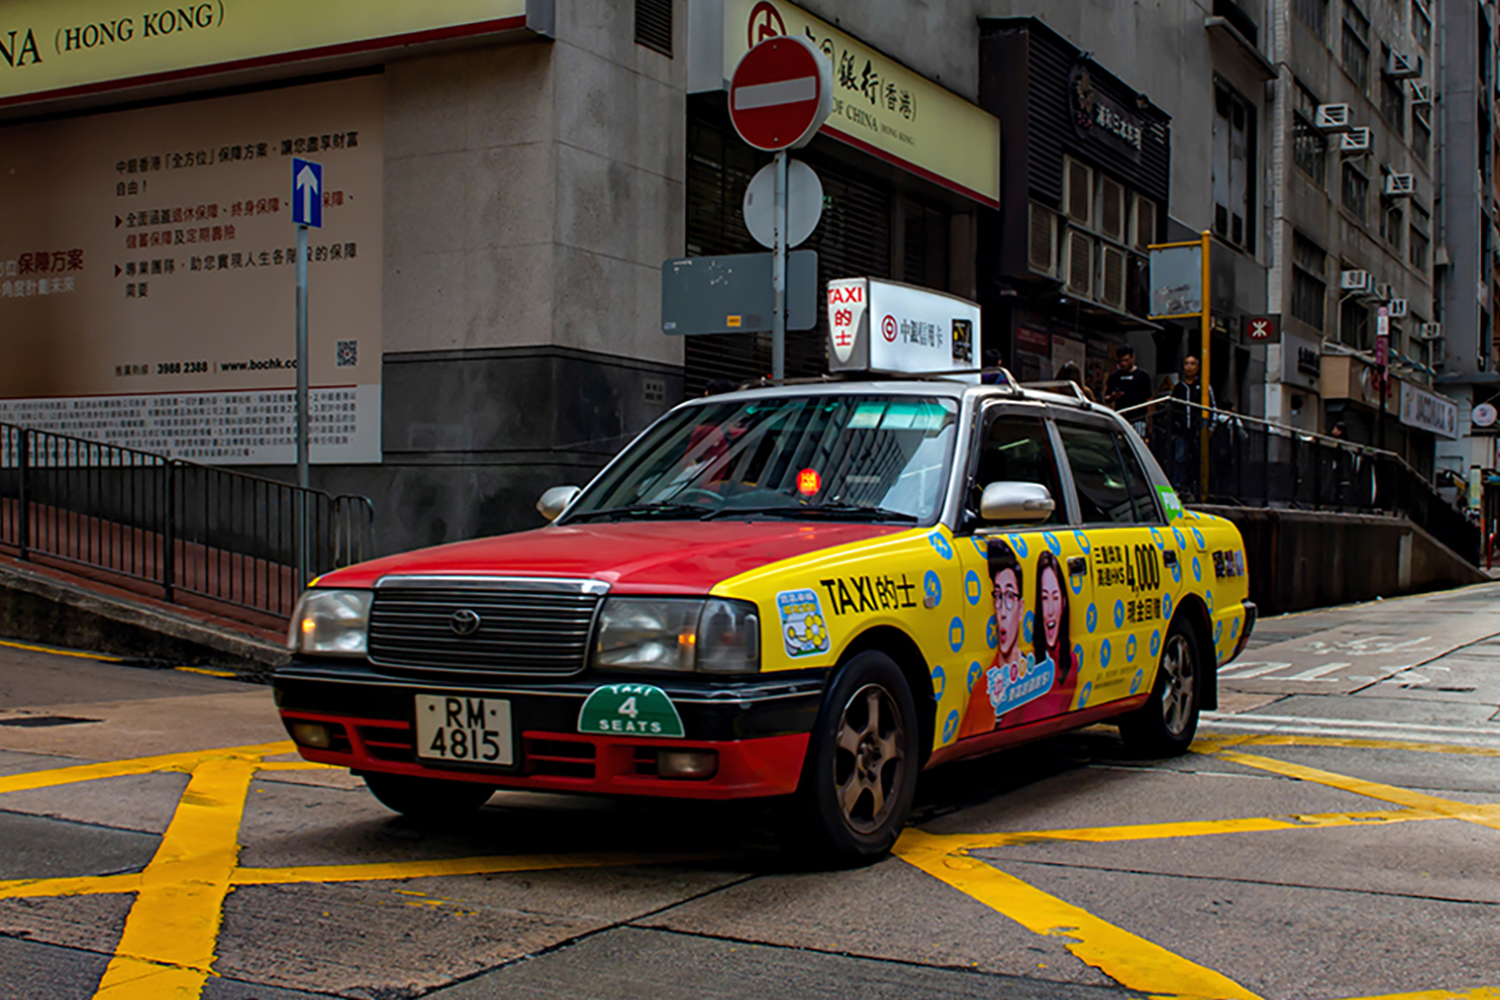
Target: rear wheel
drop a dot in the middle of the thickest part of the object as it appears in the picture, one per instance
(861, 771)
(427, 798)
(1165, 725)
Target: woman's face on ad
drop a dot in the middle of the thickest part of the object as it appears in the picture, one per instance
(1052, 606)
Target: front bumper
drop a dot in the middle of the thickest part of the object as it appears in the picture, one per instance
(758, 726)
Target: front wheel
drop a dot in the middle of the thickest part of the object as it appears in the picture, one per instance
(1165, 725)
(861, 772)
(427, 799)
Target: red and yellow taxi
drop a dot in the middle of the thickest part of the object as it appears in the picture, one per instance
(806, 591)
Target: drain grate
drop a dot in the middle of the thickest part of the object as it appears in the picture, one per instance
(38, 721)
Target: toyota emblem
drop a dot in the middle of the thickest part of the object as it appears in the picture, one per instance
(464, 622)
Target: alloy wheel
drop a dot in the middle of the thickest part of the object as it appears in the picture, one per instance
(869, 758)
(1178, 697)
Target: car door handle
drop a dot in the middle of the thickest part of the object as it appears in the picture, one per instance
(1077, 566)
(1169, 557)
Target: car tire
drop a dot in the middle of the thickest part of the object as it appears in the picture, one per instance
(1165, 725)
(427, 798)
(860, 774)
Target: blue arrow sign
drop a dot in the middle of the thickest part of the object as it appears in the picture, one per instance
(307, 193)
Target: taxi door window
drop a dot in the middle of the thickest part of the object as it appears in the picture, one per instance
(1018, 449)
(1107, 487)
(1146, 511)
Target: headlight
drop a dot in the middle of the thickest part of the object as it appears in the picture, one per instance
(714, 636)
(330, 623)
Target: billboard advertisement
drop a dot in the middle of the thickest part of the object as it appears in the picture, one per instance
(148, 277)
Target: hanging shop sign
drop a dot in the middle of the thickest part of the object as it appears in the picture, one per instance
(1096, 116)
(1428, 411)
(1301, 360)
(879, 106)
(64, 48)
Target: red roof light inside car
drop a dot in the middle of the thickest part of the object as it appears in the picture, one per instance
(809, 482)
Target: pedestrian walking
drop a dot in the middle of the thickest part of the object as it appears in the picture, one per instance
(1128, 386)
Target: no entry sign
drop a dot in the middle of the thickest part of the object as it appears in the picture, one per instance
(781, 93)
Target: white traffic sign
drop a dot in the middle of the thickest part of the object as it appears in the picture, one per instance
(1484, 415)
(804, 203)
(781, 93)
(307, 193)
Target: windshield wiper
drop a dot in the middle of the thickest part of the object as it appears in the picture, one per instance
(844, 511)
(642, 510)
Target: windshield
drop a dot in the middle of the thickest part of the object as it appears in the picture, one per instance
(817, 457)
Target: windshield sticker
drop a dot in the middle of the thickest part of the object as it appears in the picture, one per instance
(1170, 502)
(804, 630)
(632, 710)
(866, 416)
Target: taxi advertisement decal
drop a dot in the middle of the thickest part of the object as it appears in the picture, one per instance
(804, 630)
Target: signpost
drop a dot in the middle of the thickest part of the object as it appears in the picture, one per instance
(307, 213)
(781, 94)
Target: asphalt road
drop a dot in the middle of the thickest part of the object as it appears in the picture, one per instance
(1333, 835)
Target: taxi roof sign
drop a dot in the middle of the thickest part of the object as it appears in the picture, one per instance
(875, 325)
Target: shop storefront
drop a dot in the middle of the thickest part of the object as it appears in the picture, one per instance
(1084, 187)
(1414, 418)
(906, 167)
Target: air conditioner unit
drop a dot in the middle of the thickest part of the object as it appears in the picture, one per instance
(1332, 117)
(1143, 232)
(1355, 281)
(1421, 94)
(1429, 331)
(1396, 309)
(1400, 185)
(1078, 192)
(1078, 264)
(1403, 67)
(1112, 279)
(1355, 141)
(1112, 221)
(1041, 252)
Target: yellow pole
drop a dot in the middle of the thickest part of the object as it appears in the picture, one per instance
(1206, 336)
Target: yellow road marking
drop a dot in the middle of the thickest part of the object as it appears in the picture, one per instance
(85, 885)
(389, 871)
(1484, 815)
(170, 935)
(1130, 960)
(207, 672)
(1189, 828)
(1482, 993)
(138, 765)
(1212, 745)
(59, 652)
(294, 765)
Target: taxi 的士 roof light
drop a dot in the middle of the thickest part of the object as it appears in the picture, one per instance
(330, 623)
(681, 635)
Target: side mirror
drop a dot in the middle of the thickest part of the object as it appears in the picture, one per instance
(1016, 502)
(556, 500)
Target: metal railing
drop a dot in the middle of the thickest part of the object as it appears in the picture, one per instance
(112, 512)
(1254, 462)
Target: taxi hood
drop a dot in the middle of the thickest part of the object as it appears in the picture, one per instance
(656, 557)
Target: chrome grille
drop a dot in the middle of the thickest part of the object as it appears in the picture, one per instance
(526, 626)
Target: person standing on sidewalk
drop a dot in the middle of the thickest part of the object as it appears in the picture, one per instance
(1128, 386)
(1187, 423)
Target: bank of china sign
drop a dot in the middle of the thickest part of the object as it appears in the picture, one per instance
(880, 106)
(62, 48)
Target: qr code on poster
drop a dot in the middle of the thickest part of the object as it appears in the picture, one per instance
(348, 353)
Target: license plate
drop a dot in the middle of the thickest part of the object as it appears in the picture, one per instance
(464, 729)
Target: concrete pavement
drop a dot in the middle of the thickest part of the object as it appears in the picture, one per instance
(1332, 836)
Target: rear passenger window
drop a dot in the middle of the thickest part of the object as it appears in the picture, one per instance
(1018, 449)
(1111, 486)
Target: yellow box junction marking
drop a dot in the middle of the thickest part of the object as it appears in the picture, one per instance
(168, 945)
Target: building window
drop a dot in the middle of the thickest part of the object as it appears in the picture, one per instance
(1309, 146)
(1421, 25)
(1421, 227)
(1356, 44)
(1309, 290)
(1354, 324)
(1421, 136)
(653, 25)
(1392, 97)
(1234, 173)
(1393, 227)
(1356, 190)
(1314, 14)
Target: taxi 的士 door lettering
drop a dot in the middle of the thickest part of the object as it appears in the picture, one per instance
(861, 594)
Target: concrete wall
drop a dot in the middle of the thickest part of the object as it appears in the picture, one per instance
(1311, 559)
